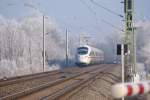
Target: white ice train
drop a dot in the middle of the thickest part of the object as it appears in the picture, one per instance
(87, 55)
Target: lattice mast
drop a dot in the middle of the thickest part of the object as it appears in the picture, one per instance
(129, 39)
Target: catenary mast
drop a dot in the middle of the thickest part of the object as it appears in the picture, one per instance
(129, 39)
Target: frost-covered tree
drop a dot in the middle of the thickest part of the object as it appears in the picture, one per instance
(21, 45)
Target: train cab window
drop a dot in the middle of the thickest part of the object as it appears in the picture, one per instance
(82, 50)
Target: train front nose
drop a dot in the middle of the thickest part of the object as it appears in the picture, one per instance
(82, 53)
(83, 60)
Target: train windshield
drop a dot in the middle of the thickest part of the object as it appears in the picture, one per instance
(82, 50)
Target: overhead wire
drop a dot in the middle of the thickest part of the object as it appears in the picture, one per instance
(89, 8)
(86, 5)
(119, 29)
(104, 21)
(107, 9)
(91, 11)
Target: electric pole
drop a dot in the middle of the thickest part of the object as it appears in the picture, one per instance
(129, 39)
(66, 47)
(43, 44)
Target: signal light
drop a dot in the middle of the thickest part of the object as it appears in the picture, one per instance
(119, 49)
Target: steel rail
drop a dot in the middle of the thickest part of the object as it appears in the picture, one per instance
(72, 87)
(14, 80)
(43, 86)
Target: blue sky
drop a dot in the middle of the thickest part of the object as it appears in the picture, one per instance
(75, 15)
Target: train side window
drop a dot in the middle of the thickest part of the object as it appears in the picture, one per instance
(92, 53)
(95, 53)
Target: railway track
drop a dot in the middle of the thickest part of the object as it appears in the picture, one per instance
(99, 88)
(16, 84)
(14, 80)
(5, 81)
(56, 89)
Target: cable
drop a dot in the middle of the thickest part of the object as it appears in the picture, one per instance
(112, 25)
(93, 12)
(88, 7)
(99, 5)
